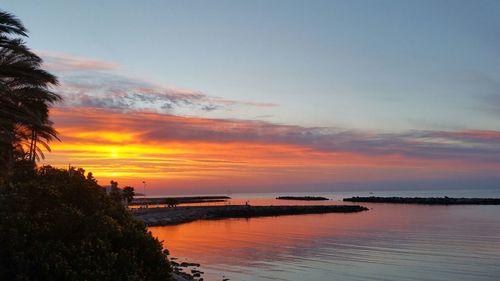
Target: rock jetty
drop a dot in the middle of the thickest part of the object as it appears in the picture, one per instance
(426, 200)
(303, 198)
(178, 200)
(178, 215)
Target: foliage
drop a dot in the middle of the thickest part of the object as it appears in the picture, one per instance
(115, 193)
(57, 224)
(60, 225)
(128, 193)
(25, 98)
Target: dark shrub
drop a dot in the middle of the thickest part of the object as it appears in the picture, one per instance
(60, 225)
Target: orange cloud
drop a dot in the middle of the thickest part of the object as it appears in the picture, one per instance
(173, 152)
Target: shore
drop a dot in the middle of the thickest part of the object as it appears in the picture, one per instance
(426, 200)
(178, 215)
(177, 200)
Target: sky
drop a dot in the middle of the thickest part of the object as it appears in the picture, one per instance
(261, 96)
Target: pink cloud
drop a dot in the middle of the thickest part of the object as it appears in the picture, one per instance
(153, 127)
(57, 61)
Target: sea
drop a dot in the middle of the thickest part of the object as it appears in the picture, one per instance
(388, 242)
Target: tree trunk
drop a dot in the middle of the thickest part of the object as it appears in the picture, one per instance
(32, 147)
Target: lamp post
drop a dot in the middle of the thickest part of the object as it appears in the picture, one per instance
(144, 191)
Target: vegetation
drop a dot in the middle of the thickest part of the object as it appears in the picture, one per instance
(25, 98)
(61, 225)
(128, 193)
(57, 224)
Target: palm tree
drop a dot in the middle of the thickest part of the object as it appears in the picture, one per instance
(38, 131)
(25, 98)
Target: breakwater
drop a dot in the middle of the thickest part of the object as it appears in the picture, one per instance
(178, 200)
(303, 198)
(426, 200)
(178, 215)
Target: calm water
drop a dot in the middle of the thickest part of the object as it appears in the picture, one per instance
(389, 242)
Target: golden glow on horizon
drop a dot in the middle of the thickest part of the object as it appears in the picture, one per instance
(102, 135)
(120, 148)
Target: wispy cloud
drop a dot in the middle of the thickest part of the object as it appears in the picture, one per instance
(123, 127)
(199, 153)
(94, 83)
(56, 61)
(467, 146)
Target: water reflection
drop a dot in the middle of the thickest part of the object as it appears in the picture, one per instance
(389, 242)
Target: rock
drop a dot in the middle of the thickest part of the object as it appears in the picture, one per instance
(186, 264)
(171, 216)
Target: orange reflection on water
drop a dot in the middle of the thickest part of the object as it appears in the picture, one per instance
(241, 242)
(225, 240)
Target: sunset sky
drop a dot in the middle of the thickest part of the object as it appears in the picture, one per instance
(261, 96)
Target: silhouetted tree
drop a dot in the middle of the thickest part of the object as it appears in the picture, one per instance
(115, 192)
(60, 225)
(25, 98)
(128, 193)
(57, 224)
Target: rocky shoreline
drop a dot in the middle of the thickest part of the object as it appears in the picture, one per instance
(183, 271)
(188, 271)
(178, 215)
(178, 200)
(426, 200)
